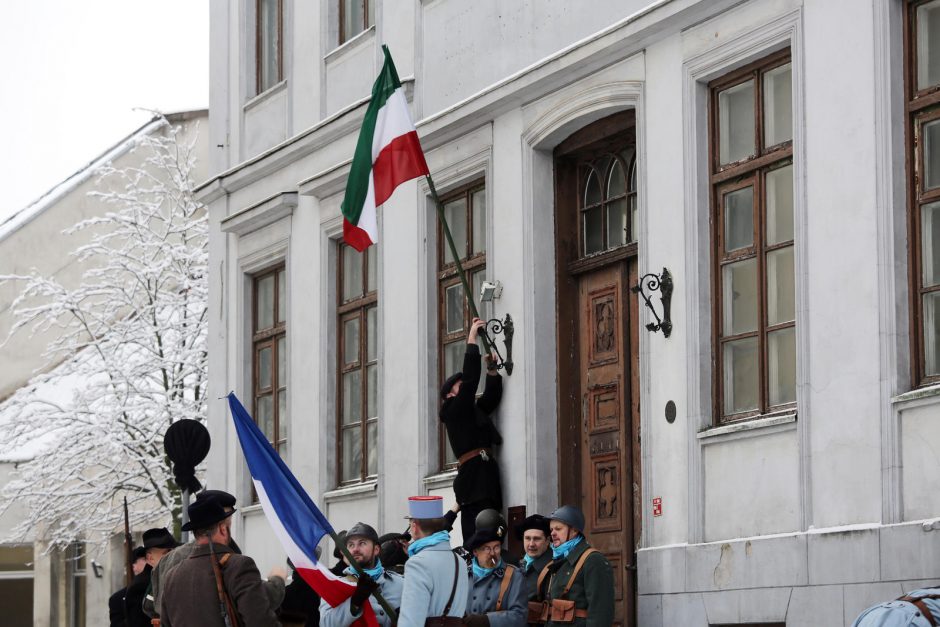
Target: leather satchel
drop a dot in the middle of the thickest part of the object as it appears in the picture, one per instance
(538, 612)
(562, 611)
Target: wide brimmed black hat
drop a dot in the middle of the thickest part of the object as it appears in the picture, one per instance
(449, 383)
(159, 538)
(535, 521)
(481, 537)
(224, 498)
(203, 513)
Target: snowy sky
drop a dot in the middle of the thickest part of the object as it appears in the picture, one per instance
(74, 71)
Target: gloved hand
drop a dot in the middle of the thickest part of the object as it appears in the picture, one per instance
(364, 588)
(476, 620)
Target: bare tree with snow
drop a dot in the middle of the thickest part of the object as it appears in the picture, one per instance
(131, 355)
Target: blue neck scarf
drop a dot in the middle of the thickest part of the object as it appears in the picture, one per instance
(564, 548)
(375, 572)
(481, 573)
(435, 538)
(529, 560)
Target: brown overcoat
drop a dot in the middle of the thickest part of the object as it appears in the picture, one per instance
(190, 597)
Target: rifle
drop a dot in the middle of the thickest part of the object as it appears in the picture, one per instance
(128, 556)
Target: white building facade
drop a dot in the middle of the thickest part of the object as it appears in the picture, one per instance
(773, 460)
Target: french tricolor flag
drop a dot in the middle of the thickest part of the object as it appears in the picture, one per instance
(296, 521)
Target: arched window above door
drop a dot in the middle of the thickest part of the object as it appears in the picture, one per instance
(607, 201)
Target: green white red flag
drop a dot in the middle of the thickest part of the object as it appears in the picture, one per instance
(388, 153)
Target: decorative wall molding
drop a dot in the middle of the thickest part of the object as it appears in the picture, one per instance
(260, 215)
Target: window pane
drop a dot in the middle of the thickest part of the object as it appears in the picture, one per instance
(352, 454)
(370, 4)
(633, 217)
(265, 303)
(372, 322)
(781, 366)
(456, 213)
(351, 341)
(739, 219)
(282, 415)
(372, 391)
(352, 273)
(352, 25)
(736, 123)
(453, 357)
(617, 223)
(592, 190)
(372, 261)
(479, 221)
(593, 230)
(928, 45)
(281, 297)
(476, 285)
(264, 368)
(281, 362)
(352, 397)
(739, 297)
(778, 106)
(740, 370)
(781, 290)
(265, 417)
(268, 54)
(932, 333)
(930, 242)
(779, 184)
(454, 308)
(372, 463)
(617, 183)
(932, 155)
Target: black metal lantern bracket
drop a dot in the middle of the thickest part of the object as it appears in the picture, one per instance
(506, 328)
(663, 284)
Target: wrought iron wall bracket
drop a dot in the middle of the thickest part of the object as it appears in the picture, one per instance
(506, 328)
(662, 284)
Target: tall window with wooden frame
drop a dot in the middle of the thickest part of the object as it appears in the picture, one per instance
(269, 347)
(355, 16)
(358, 368)
(754, 304)
(607, 202)
(465, 210)
(269, 44)
(922, 86)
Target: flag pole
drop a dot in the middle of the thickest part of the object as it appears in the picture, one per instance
(393, 616)
(487, 346)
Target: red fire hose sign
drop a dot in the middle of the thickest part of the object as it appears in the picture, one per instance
(658, 506)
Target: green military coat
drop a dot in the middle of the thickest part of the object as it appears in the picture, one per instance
(592, 589)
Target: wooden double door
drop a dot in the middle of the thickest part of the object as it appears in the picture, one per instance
(599, 437)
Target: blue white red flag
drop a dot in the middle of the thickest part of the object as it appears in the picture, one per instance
(297, 521)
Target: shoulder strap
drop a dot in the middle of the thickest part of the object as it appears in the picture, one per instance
(918, 602)
(504, 586)
(224, 558)
(577, 569)
(453, 590)
(229, 616)
(542, 575)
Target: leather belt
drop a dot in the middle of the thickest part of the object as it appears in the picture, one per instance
(485, 453)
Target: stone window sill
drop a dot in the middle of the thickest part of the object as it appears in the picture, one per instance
(749, 428)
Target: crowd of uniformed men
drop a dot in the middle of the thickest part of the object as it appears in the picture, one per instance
(560, 580)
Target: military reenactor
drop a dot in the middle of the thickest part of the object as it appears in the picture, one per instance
(497, 592)
(472, 434)
(535, 536)
(363, 545)
(274, 586)
(436, 583)
(577, 588)
(215, 586)
(920, 608)
(117, 612)
(157, 543)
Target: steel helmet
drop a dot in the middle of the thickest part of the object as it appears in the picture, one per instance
(362, 530)
(570, 515)
(491, 519)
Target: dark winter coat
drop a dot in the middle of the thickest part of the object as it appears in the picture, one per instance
(301, 604)
(469, 426)
(134, 599)
(116, 609)
(532, 573)
(190, 597)
(592, 589)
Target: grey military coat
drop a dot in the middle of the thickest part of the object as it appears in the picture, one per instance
(429, 579)
(485, 592)
(390, 585)
(532, 573)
